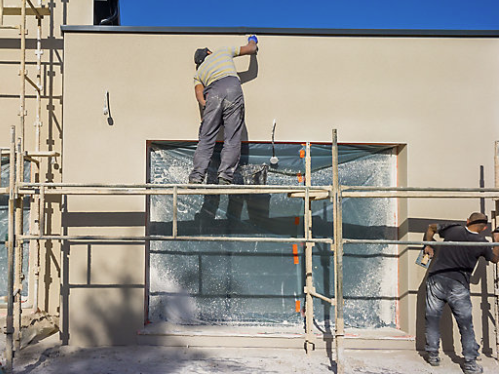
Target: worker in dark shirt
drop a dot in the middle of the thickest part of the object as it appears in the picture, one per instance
(449, 282)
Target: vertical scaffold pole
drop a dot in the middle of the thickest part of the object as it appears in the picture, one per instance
(37, 208)
(338, 261)
(1, 12)
(39, 53)
(22, 73)
(496, 266)
(9, 331)
(19, 178)
(309, 280)
(18, 249)
(175, 212)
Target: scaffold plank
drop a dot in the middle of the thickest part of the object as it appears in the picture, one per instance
(16, 11)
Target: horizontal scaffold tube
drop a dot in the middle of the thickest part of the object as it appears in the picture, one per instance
(323, 191)
(169, 186)
(215, 186)
(417, 192)
(135, 191)
(421, 194)
(172, 238)
(415, 242)
(433, 189)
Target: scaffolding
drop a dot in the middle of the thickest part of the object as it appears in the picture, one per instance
(335, 193)
(17, 189)
(16, 173)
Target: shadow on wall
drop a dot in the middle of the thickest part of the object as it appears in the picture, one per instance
(101, 313)
(487, 319)
(109, 311)
(251, 73)
(52, 101)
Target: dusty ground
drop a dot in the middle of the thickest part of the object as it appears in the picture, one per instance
(48, 357)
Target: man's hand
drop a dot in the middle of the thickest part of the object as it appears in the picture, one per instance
(429, 234)
(429, 251)
(250, 48)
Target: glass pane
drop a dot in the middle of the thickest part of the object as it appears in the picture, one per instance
(260, 283)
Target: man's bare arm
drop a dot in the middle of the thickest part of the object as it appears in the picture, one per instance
(429, 235)
(199, 88)
(495, 250)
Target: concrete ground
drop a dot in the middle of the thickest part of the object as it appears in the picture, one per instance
(49, 357)
(395, 356)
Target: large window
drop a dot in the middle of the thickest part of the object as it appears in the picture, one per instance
(262, 283)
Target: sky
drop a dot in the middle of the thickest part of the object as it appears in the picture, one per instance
(332, 14)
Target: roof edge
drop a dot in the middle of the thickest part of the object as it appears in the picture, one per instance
(283, 31)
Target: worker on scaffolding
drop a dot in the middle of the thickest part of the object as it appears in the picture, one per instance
(219, 93)
(449, 282)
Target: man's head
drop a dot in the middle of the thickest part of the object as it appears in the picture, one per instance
(200, 55)
(477, 222)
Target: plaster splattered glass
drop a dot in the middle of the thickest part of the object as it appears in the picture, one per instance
(255, 283)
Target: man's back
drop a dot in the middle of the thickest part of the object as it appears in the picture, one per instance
(458, 262)
(217, 65)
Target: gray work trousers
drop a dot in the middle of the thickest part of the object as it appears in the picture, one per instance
(224, 107)
(439, 291)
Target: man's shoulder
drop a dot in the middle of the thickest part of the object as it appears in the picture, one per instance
(476, 237)
(457, 232)
(449, 227)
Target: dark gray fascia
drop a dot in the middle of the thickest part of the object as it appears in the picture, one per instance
(283, 31)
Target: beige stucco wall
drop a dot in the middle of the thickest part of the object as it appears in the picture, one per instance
(436, 95)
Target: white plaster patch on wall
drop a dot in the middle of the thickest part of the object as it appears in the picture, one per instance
(178, 307)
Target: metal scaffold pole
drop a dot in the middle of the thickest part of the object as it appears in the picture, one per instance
(338, 260)
(18, 250)
(38, 201)
(9, 331)
(309, 280)
(496, 266)
(22, 74)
